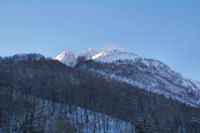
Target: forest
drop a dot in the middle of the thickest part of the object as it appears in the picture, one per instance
(39, 94)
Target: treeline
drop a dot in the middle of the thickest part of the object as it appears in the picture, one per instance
(52, 80)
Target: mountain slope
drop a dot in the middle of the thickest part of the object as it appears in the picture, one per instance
(148, 74)
(67, 58)
(51, 80)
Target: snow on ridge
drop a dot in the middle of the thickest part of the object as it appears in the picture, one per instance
(152, 73)
(112, 53)
(177, 86)
(108, 53)
(92, 53)
(67, 57)
(111, 56)
(89, 52)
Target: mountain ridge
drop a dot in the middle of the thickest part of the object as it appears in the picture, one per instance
(52, 80)
(148, 74)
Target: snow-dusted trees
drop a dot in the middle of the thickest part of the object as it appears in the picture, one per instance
(53, 81)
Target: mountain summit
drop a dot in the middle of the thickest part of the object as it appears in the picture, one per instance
(67, 57)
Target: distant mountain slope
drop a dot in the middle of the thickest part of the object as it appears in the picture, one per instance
(148, 74)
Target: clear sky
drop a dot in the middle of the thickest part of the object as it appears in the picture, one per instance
(167, 31)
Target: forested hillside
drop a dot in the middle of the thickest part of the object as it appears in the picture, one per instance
(28, 82)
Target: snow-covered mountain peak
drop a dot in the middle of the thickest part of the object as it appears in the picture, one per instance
(95, 52)
(149, 74)
(108, 53)
(67, 57)
(89, 52)
(112, 56)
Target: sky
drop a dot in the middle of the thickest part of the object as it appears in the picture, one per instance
(168, 31)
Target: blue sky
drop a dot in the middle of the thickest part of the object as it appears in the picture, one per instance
(167, 31)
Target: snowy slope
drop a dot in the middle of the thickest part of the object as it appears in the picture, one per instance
(106, 51)
(148, 74)
(110, 56)
(50, 115)
(67, 58)
(89, 53)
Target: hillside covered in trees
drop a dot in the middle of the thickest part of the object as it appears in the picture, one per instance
(43, 95)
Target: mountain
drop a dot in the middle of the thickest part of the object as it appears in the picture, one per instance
(45, 95)
(67, 57)
(151, 75)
